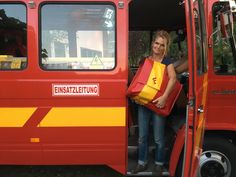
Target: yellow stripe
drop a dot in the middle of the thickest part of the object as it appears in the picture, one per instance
(15, 117)
(153, 84)
(201, 120)
(81, 117)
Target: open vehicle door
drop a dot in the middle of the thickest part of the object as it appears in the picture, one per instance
(196, 112)
(218, 157)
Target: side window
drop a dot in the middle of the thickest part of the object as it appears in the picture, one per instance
(77, 37)
(199, 38)
(223, 41)
(13, 37)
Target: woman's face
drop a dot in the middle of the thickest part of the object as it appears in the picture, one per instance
(159, 46)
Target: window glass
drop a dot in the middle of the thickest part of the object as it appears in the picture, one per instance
(198, 39)
(223, 40)
(77, 37)
(13, 37)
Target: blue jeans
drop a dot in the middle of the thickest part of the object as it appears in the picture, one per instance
(144, 117)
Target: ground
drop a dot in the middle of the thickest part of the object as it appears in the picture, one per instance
(57, 171)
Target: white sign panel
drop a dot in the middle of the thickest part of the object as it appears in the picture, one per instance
(75, 90)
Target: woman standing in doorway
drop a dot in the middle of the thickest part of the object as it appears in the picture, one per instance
(160, 45)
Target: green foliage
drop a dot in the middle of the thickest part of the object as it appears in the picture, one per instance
(139, 46)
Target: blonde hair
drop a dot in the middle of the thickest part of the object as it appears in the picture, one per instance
(164, 35)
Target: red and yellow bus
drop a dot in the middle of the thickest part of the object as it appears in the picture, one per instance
(64, 75)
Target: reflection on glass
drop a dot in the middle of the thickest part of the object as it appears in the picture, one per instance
(13, 37)
(223, 45)
(77, 36)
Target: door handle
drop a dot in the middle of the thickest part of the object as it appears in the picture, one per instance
(200, 109)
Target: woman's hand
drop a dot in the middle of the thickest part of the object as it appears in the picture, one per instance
(160, 101)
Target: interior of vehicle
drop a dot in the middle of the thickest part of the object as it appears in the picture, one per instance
(145, 18)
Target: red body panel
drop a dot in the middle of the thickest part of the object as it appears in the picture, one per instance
(32, 87)
(176, 152)
(221, 92)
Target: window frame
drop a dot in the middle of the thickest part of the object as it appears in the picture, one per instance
(76, 3)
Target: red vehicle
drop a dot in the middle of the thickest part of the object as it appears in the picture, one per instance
(64, 74)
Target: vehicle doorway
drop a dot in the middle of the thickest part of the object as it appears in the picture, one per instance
(145, 18)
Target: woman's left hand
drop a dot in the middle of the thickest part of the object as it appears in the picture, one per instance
(160, 101)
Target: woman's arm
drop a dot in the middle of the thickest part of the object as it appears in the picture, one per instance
(182, 67)
(161, 101)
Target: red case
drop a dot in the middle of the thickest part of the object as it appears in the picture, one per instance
(140, 80)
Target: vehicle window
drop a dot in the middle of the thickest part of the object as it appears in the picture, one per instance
(201, 62)
(13, 37)
(77, 37)
(223, 44)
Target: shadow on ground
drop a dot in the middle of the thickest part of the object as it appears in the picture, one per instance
(57, 171)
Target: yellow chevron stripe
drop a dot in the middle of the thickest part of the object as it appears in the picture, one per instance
(15, 117)
(153, 84)
(85, 116)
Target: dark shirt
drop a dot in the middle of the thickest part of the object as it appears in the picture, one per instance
(166, 61)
